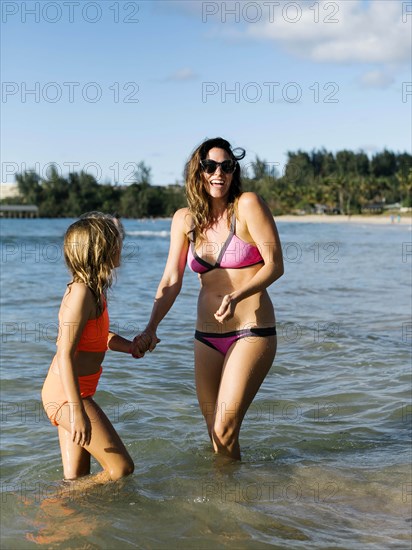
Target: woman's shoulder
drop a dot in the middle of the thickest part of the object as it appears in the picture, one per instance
(248, 200)
(183, 218)
(181, 213)
(251, 207)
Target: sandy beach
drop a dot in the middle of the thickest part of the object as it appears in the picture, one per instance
(405, 219)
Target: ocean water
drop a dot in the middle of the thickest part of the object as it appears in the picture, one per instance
(326, 442)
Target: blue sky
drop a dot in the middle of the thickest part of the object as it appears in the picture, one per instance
(115, 83)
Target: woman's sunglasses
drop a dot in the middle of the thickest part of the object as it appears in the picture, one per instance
(210, 166)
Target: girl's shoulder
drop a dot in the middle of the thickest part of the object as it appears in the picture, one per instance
(77, 292)
(78, 304)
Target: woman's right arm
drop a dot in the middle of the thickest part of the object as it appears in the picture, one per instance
(170, 283)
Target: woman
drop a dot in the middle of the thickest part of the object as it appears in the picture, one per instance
(230, 239)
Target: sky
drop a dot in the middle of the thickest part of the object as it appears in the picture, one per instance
(104, 85)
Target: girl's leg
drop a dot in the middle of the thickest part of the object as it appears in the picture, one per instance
(105, 444)
(246, 366)
(76, 460)
(208, 371)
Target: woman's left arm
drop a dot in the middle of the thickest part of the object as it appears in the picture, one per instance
(263, 231)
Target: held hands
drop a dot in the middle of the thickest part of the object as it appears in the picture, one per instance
(146, 341)
(226, 309)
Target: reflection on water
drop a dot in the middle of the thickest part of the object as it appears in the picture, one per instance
(236, 505)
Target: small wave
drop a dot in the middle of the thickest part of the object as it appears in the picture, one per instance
(146, 233)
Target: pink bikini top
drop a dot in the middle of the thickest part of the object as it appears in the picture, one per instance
(234, 254)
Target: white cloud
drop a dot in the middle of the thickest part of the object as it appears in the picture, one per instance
(376, 79)
(370, 32)
(324, 31)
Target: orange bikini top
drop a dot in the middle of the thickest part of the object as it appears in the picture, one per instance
(96, 333)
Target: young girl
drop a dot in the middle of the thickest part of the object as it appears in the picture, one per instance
(92, 248)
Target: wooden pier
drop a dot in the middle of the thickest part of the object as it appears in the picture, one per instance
(18, 211)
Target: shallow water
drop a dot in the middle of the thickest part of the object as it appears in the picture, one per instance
(326, 443)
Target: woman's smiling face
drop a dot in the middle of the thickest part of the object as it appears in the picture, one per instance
(218, 184)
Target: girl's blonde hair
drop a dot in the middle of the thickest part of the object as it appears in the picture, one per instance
(91, 246)
(198, 200)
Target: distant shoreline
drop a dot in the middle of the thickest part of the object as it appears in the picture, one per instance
(355, 219)
(406, 219)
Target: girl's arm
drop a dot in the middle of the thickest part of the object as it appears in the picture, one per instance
(76, 308)
(115, 342)
(170, 283)
(263, 232)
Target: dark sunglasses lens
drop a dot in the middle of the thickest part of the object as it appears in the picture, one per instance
(209, 166)
(228, 166)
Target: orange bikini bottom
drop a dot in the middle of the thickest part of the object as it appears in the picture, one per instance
(53, 395)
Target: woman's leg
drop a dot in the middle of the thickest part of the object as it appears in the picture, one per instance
(105, 445)
(246, 366)
(208, 371)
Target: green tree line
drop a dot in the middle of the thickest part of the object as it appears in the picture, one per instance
(345, 182)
